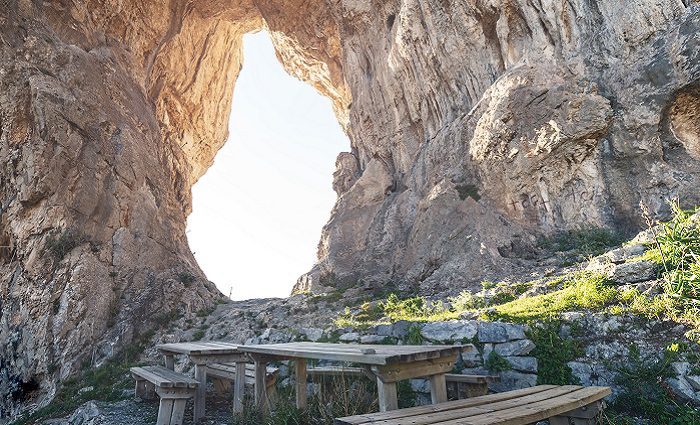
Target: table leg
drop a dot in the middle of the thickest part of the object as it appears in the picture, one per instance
(239, 387)
(438, 388)
(300, 370)
(260, 385)
(170, 361)
(388, 397)
(200, 374)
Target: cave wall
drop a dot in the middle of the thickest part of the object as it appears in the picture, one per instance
(475, 126)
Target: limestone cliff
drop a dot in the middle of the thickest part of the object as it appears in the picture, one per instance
(475, 125)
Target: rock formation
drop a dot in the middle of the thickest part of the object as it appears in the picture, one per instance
(475, 125)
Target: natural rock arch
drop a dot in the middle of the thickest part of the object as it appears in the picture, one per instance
(470, 124)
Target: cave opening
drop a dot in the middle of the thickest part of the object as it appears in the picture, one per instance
(259, 209)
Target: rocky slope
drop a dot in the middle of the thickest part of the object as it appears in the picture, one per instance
(474, 126)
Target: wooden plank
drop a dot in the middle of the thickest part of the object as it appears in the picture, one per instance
(438, 388)
(464, 413)
(163, 377)
(300, 371)
(536, 411)
(165, 411)
(260, 387)
(178, 415)
(388, 396)
(471, 379)
(204, 347)
(335, 371)
(382, 355)
(399, 371)
(442, 407)
(200, 374)
(169, 361)
(239, 387)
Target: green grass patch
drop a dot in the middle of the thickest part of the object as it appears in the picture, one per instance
(582, 291)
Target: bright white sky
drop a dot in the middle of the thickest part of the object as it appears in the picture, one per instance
(258, 211)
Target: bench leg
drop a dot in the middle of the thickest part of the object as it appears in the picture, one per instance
(165, 411)
(200, 374)
(300, 370)
(260, 387)
(145, 390)
(172, 405)
(170, 361)
(586, 415)
(388, 396)
(438, 388)
(239, 388)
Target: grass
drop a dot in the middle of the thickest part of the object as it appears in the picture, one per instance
(582, 291)
(106, 383)
(337, 397)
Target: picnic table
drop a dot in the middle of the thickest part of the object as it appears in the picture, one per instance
(201, 354)
(388, 363)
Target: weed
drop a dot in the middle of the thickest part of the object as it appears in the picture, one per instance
(496, 363)
(553, 353)
(413, 336)
(186, 277)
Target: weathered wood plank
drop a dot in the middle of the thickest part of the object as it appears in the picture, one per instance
(442, 407)
(468, 412)
(300, 371)
(239, 386)
(200, 374)
(163, 377)
(388, 396)
(399, 371)
(438, 388)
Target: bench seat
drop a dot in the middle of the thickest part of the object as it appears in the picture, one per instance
(460, 386)
(224, 374)
(173, 389)
(560, 404)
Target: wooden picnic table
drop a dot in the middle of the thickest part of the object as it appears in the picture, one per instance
(388, 363)
(201, 354)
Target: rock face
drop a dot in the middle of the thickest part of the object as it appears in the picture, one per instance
(474, 125)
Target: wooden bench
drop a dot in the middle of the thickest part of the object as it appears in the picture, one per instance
(460, 386)
(562, 405)
(224, 375)
(173, 389)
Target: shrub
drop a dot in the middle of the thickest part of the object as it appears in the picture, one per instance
(553, 353)
(496, 363)
(59, 244)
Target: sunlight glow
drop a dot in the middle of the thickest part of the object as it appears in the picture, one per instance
(258, 211)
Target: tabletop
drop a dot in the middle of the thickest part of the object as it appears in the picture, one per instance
(363, 354)
(200, 348)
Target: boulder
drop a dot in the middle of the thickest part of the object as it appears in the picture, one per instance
(515, 348)
(455, 330)
(523, 364)
(500, 332)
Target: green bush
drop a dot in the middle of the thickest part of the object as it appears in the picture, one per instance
(553, 353)
(496, 363)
